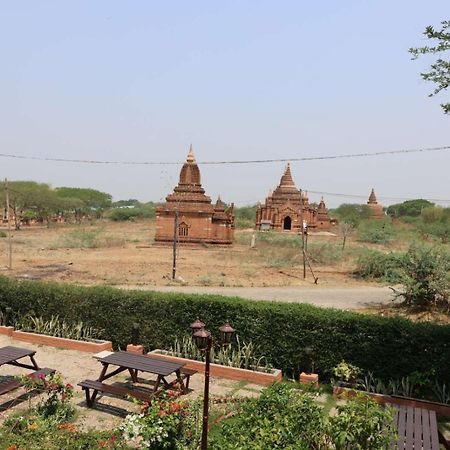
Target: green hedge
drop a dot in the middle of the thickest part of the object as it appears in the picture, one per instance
(390, 347)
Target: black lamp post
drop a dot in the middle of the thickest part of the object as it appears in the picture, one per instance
(203, 340)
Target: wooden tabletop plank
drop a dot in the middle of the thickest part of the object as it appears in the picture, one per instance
(396, 418)
(143, 363)
(426, 429)
(418, 427)
(434, 430)
(409, 442)
(9, 354)
(401, 427)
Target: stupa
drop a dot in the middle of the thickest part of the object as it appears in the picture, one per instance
(288, 209)
(376, 210)
(198, 220)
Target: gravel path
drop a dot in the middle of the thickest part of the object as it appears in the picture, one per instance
(343, 298)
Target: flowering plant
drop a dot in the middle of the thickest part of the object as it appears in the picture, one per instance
(157, 426)
(56, 404)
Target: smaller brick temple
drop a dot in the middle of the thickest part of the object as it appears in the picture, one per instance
(376, 210)
(198, 220)
(286, 208)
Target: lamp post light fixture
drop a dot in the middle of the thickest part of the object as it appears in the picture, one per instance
(203, 340)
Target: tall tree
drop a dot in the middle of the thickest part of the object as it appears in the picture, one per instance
(440, 70)
(352, 213)
(29, 196)
(93, 201)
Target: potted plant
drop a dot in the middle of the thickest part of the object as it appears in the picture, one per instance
(346, 376)
(309, 377)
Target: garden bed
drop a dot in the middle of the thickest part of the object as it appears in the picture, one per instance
(93, 346)
(217, 370)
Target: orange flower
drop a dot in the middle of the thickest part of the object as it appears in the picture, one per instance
(175, 407)
(12, 447)
(67, 426)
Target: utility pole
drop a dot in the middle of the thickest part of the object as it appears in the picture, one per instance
(175, 237)
(302, 231)
(8, 218)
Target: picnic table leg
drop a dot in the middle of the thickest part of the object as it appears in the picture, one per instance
(100, 378)
(158, 380)
(103, 372)
(33, 361)
(134, 375)
(181, 382)
(88, 398)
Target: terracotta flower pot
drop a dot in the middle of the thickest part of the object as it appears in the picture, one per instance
(310, 378)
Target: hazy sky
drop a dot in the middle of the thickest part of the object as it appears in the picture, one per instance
(141, 80)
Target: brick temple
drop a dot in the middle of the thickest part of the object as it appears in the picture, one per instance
(198, 220)
(287, 207)
(376, 210)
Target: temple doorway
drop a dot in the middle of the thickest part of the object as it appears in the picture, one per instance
(287, 223)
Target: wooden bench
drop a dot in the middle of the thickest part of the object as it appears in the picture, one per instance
(119, 391)
(417, 428)
(9, 386)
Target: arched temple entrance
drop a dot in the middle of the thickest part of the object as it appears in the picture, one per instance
(287, 223)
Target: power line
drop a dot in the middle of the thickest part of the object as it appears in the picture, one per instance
(251, 161)
(335, 194)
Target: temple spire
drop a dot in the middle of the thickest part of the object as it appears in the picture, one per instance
(372, 197)
(286, 179)
(190, 157)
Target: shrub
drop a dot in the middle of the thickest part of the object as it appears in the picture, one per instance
(376, 232)
(440, 230)
(2, 234)
(376, 265)
(383, 345)
(123, 214)
(285, 418)
(324, 253)
(425, 276)
(362, 424)
(280, 418)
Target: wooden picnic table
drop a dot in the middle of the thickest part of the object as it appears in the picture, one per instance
(10, 355)
(417, 428)
(133, 363)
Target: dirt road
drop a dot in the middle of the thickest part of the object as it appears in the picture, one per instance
(343, 298)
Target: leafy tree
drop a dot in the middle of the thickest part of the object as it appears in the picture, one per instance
(440, 70)
(245, 216)
(126, 203)
(352, 213)
(410, 208)
(92, 200)
(29, 196)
